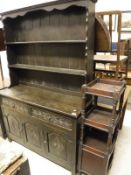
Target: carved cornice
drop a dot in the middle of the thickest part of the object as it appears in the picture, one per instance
(49, 6)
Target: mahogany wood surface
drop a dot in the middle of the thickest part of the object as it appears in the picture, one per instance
(99, 125)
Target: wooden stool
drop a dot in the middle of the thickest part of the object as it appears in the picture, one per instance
(19, 167)
(12, 161)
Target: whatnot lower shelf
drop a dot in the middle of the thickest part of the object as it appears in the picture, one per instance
(101, 119)
(96, 141)
(46, 42)
(49, 69)
(95, 145)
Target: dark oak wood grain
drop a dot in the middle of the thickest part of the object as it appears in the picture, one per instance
(50, 50)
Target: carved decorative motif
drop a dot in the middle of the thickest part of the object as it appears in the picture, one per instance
(53, 118)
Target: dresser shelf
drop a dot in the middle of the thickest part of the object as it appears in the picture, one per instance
(48, 42)
(49, 69)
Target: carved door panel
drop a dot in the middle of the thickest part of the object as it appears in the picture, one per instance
(35, 136)
(59, 147)
(15, 126)
(32, 134)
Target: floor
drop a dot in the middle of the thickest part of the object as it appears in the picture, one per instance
(120, 165)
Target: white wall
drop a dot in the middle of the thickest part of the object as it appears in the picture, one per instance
(105, 5)
(101, 5)
(6, 5)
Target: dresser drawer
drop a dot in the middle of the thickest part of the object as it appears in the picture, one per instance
(16, 106)
(53, 118)
(47, 117)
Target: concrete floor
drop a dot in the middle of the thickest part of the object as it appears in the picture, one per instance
(120, 165)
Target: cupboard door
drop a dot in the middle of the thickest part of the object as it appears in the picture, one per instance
(59, 147)
(13, 124)
(32, 134)
(35, 137)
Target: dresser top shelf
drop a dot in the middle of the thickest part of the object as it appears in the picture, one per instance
(68, 103)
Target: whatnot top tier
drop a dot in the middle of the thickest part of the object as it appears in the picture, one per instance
(105, 88)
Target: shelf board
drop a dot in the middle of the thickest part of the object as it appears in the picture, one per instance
(109, 71)
(100, 119)
(47, 42)
(95, 145)
(109, 58)
(49, 69)
(105, 87)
